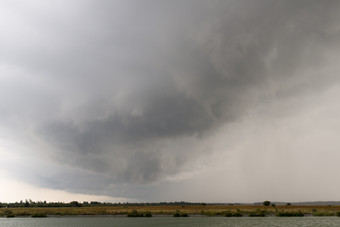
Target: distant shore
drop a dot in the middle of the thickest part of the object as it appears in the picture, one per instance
(172, 210)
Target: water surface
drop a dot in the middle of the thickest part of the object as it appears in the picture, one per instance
(170, 221)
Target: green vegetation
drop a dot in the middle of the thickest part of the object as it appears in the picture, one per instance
(258, 213)
(290, 214)
(266, 203)
(10, 216)
(235, 214)
(29, 208)
(30, 203)
(7, 212)
(39, 215)
(176, 214)
(135, 213)
(320, 214)
(148, 214)
(179, 214)
(75, 204)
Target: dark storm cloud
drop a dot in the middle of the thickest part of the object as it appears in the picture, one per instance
(136, 87)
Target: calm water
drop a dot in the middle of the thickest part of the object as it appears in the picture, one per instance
(170, 221)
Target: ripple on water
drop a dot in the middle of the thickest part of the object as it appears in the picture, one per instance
(170, 221)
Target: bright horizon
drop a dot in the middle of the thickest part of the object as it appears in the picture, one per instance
(148, 101)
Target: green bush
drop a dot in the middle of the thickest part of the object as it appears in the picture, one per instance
(290, 214)
(178, 214)
(208, 213)
(148, 214)
(236, 214)
(266, 203)
(261, 214)
(39, 215)
(134, 213)
(10, 215)
(228, 214)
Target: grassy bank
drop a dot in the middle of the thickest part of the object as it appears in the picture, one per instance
(206, 210)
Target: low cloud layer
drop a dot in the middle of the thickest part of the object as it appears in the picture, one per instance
(122, 98)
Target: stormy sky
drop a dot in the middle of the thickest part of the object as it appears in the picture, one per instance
(216, 101)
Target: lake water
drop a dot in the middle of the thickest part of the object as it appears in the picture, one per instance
(170, 221)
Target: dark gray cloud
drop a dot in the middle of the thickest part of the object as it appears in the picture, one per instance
(125, 94)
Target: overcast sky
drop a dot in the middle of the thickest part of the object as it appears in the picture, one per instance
(195, 100)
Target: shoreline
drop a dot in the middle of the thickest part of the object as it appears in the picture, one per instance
(158, 216)
(169, 211)
(164, 216)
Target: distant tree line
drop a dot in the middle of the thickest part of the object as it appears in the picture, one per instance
(30, 203)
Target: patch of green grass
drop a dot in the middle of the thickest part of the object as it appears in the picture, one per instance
(37, 215)
(259, 213)
(179, 214)
(233, 214)
(134, 213)
(148, 214)
(320, 214)
(290, 214)
(7, 212)
(254, 214)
